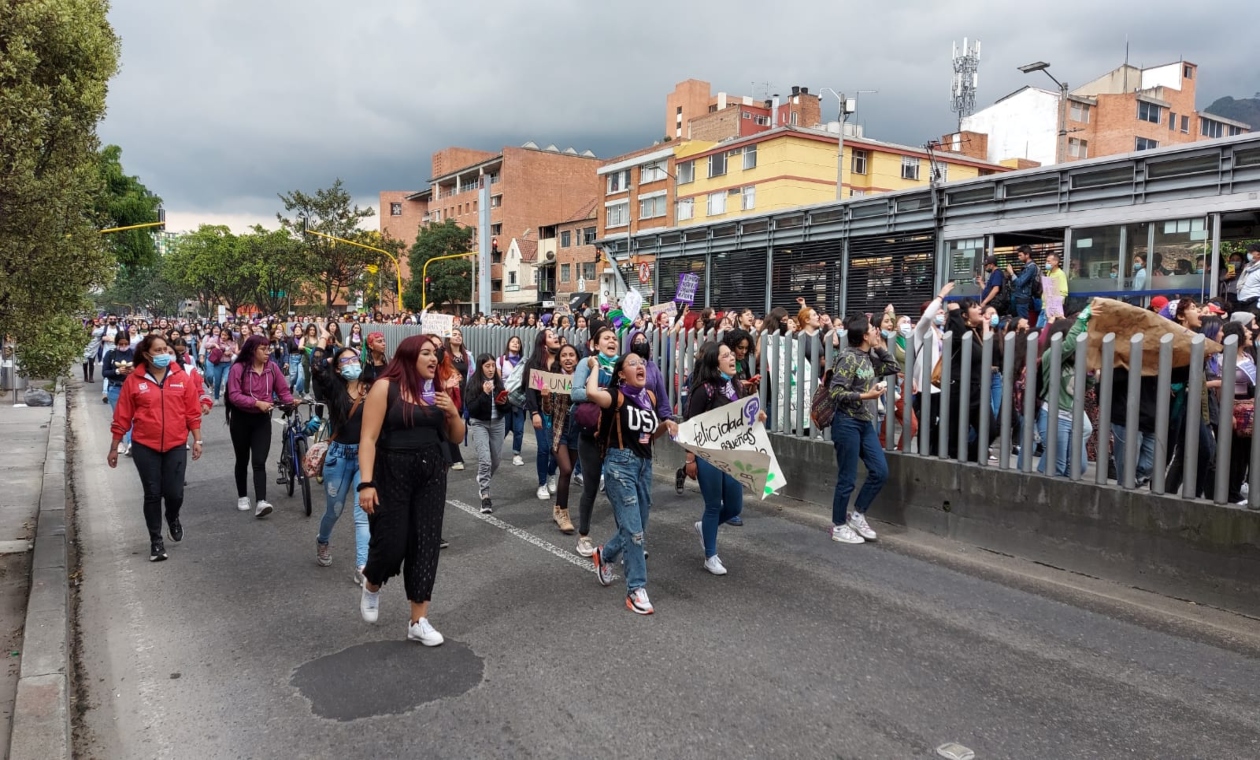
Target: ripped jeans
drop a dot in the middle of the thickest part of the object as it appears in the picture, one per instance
(341, 481)
(628, 481)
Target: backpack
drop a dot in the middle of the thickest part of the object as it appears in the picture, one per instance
(514, 385)
(1004, 301)
(822, 408)
(1036, 284)
(604, 435)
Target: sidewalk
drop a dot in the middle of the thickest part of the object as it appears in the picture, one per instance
(33, 584)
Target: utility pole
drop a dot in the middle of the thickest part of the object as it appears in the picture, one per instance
(483, 230)
(846, 107)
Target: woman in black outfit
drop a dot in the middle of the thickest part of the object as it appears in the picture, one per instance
(544, 359)
(402, 463)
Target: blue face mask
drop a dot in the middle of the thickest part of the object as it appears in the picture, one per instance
(1115, 275)
(1047, 267)
(1137, 266)
(352, 371)
(725, 376)
(993, 320)
(162, 361)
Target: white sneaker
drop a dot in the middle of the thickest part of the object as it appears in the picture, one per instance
(243, 504)
(578, 480)
(424, 633)
(126, 449)
(544, 493)
(714, 565)
(122, 448)
(457, 466)
(637, 602)
(585, 546)
(369, 605)
(857, 521)
(845, 535)
(517, 461)
(551, 484)
(264, 509)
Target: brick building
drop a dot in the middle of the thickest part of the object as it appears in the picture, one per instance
(529, 187)
(1125, 110)
(567, 258)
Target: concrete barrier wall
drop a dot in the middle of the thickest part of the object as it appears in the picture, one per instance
(1193, 550)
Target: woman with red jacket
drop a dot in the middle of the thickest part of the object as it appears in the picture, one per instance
(161, 405)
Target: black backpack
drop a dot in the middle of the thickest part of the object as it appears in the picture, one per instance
(1036, 283)
(1004, 301)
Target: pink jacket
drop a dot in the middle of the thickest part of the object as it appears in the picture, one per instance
(245, 387)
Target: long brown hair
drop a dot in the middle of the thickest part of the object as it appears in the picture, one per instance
(402, 368)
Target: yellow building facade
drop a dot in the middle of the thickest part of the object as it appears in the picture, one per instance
(789, 167)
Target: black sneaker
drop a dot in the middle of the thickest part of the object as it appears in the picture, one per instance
(443, 543)
(157, 552)
(177, 530)
(486, 506)
(680, 478)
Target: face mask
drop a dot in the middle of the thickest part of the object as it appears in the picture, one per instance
(1048, 268)
(887, 333)
(1137, 266)
(906, 329)
(725, 376)
(352, 371)
(938, 320)
(161, 361)
(993, 320)
(1115, 275)
(642, 349)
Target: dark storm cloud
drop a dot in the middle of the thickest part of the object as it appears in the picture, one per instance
(220, 105)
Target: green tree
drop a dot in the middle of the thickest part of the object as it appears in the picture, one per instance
(124, 202)
(212, 263)
(280, 267)
(336, 267)
(449, 281)
(56, 58)
(152, 289)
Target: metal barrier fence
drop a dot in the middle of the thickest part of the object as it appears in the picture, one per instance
(791, 366)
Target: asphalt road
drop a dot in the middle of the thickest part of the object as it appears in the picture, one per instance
(241, 646)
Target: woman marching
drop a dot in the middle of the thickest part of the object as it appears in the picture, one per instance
(402, 463)
(514, 423)
(627, 428)
(487, 405)
(253, 382)
(546, 349)
(339, 378)
(604, 348)
(221, 352)
(374, 360)
(713, 386)
(160, 405)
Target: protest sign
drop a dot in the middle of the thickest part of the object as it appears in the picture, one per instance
(670, 310)
(438, 324)
(731, 439)
(687, 284)
(552, 382)
(1110, 316)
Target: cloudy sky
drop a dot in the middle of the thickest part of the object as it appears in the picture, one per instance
(222, 104)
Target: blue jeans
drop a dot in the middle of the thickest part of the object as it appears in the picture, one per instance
(995, 395)
(854, 438)
(1062, 445)
(514, 423)
(113, 393)
(545, 461)
(628, 481)
(723, 499)
(341, 478)
(1146, 453)
(296, 378)
(217, 374)
(1023, 307)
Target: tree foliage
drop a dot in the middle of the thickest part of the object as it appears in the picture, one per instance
(336, 267)
(56, 58)
(449, 281)
(280, 267)
(212, 263)
(124, 202)
(152, 289)
(54, 345)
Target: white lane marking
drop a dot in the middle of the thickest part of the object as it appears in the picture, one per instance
(526, 536)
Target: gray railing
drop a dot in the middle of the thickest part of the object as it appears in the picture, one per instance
(792, 366)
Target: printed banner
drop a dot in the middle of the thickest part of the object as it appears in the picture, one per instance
(438, 324)
(731, 439)
(670, 310)
(687, 284)
(552, 382)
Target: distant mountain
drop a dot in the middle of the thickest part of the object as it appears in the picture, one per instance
(1246, 110)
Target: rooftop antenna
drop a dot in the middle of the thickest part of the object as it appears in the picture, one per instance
(1126, 63)
(966, 79)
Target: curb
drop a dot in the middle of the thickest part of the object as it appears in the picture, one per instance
(41, 714)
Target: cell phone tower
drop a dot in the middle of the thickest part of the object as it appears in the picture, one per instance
(966, 79)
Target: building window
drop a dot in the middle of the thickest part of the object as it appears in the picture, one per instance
(1185, 125)
(717, 164)
(618, 214)
(496, 229)
(651, 208)
(1209, 128)
(1172, 120)
(1078, 148)
(857, 164)
(750, 157)
(1235, 131)
(496, 201)
(686, 209)
(1150, 112)
(686, 172)
(910, 168)
(747, 114)
(717, 204)
(395, 209)
(653, 172)
(942, 172)
(856, 193)
(1187, 71)
(795, 118)
(588, 236)
(1146, 144)
(588, 271)
(512, 277)
(749, 200)
(565, 238)
(1080, 112)
(762, 121)
(619, 181)
(564, 272)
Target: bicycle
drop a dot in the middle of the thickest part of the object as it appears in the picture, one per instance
(293, 447)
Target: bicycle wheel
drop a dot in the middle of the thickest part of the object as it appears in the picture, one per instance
(287, 468)
(300, 448)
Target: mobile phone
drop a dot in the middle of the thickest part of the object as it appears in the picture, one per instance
(502, 397)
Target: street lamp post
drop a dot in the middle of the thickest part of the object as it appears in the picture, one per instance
(1060, 143)
(846, 107)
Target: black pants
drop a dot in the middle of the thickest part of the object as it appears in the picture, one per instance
(592, 466)
(1239, 462)
(162, 476)
(89, 369)
(406, 524)
(251, 440)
